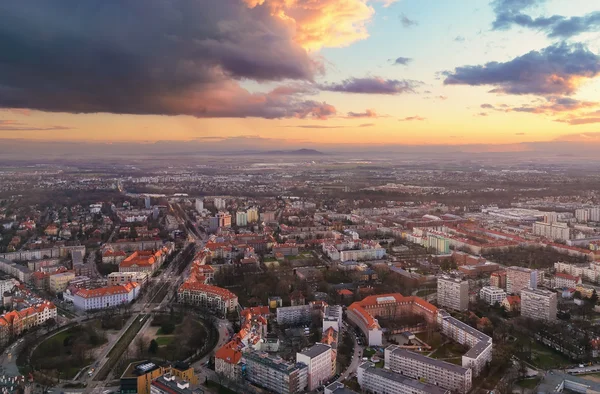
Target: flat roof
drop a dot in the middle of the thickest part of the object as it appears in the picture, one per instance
(339, 388)
(315, 350)
(465, 327)
(426, 360)
(396, 377)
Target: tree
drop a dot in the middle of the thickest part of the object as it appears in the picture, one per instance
(153, 348)
(141, 344)
(594, 298)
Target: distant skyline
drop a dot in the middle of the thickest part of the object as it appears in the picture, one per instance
(278, 74)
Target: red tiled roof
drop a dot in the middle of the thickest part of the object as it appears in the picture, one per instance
(196, 286)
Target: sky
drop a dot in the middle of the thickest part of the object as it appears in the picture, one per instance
(301, 72)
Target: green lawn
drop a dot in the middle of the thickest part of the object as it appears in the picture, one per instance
(368, 352)
(546, 358)
(165, 340)
(219, 389)
(449, 350)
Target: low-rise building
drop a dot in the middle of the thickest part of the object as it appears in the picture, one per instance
(294, 315)
(512, 303)
(121, 278)
(211, 297)
(492, 295)
(563, 280)
(380, 380)
(437, 372)
(105, 297)
(58, 282)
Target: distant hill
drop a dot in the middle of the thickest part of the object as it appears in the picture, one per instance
(297, 152)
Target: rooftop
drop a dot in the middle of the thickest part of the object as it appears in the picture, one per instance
(273, 362)
(426, 360)
(315, 350)
(416, 385)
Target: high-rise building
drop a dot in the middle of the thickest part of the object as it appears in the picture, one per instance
(437, 372)
(275, 374)
(519, 278)
(492, 294)
(199, 205)
(440, 244)
(583, 215)
(553, 231)
(318, 360)
(147, 202)
(453, 293)
(380, 380)
(220, 203)
(252, 214)
(551, 217)
(241, 218)
(538, 304)
(267, 216)
(595, 214)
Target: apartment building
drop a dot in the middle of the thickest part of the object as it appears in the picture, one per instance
(13, 323)
(563, 280)
(199, 205)
(480, 345)
(453, 293)
(332, 317)
(553, 231)
(241, 219)
(105, 297)
(538, 304)
(363, 313)
(252, 214)
(589, 271)
(318, 360)
(492, 294)
(58, 282)
(121, 278)
(417, 366)
(275, 374)
(294, 315)
(374, 253)
(144, 261)
(211, 297)
(519, 278)
(439, 243)
(383, 381)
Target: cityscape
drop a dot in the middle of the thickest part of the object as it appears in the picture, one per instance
(300, 196)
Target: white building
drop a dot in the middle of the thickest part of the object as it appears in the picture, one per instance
(538, 304)
(554, 231)
(453, 293)
(275, 374)
(583, 215)
(563, 280)
(492, 294)
(199, 205)
(220, 203)
(318, 359)
(380, 380)
(437, 372)
(241, 219)
(105, 297)
(332, 317)
(294, 315)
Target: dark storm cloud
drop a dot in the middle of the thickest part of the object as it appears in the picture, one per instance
(555, 70)
(402, 61)
(373, 85)
(510, 12)
(150, 57)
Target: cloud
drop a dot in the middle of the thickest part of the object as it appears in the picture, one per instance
(482, 114)
(369, 113)
(179, 57)
(519, 133)
(315, 126)
(556, 70)
(367, 125)
(323, 23)
(580, 137)
(406, 22)
(488, 106)
(576, 121)
(410, 118)
(510, 12)
(402, 61)
(12, 125)
(373, 85)
(555, 105)
(459, 39)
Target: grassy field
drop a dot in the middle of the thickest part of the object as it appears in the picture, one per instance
(546, 358)
(449, 351)
(528, 383)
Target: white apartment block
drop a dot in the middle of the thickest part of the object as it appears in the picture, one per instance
(294, 315)
(105, 297)
(590, 271)
(562, 280)
(453, 293)
(362, 254)
(275, 374)
(492, 294)
(480, 345)
(519, 278)
(379, 380)
(583, 215)
(241, 219)
(318, 359)
(538, 304)
(199, 205)
(552, 231)
(437, 372)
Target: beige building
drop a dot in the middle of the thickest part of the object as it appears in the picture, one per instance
(381, 380)
(121, 278)
(453, 293)
(538, 304)
(59, 282)
(318, 360)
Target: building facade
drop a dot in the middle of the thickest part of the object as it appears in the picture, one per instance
(211, 297)
(539, 304)
(453, 293)
(519, 278)
(275, 374)
(492, 294)
(383, 381)
(318, 360)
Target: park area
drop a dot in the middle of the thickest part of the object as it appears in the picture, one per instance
(66, 353)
